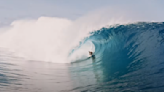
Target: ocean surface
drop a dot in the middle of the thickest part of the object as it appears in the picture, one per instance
(128, 58)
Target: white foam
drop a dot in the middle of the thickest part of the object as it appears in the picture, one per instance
(48, 38)
(41, 39)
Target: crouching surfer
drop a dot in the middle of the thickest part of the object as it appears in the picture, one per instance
(91, 55)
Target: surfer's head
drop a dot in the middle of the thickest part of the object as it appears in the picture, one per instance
(90, 53)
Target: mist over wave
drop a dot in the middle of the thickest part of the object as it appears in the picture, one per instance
(51, 39)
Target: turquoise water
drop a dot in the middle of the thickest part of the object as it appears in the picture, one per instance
(128, 58)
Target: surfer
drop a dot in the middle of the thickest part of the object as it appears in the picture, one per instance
(92, 56)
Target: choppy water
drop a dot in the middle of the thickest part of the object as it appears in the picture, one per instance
(18, 75)
(129, 58)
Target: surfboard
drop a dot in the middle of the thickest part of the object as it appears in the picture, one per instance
(77, 61)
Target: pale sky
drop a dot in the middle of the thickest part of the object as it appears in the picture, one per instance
(19, 9)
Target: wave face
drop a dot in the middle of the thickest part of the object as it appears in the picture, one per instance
(130, 57)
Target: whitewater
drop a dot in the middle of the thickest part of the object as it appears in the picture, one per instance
(48, 38)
